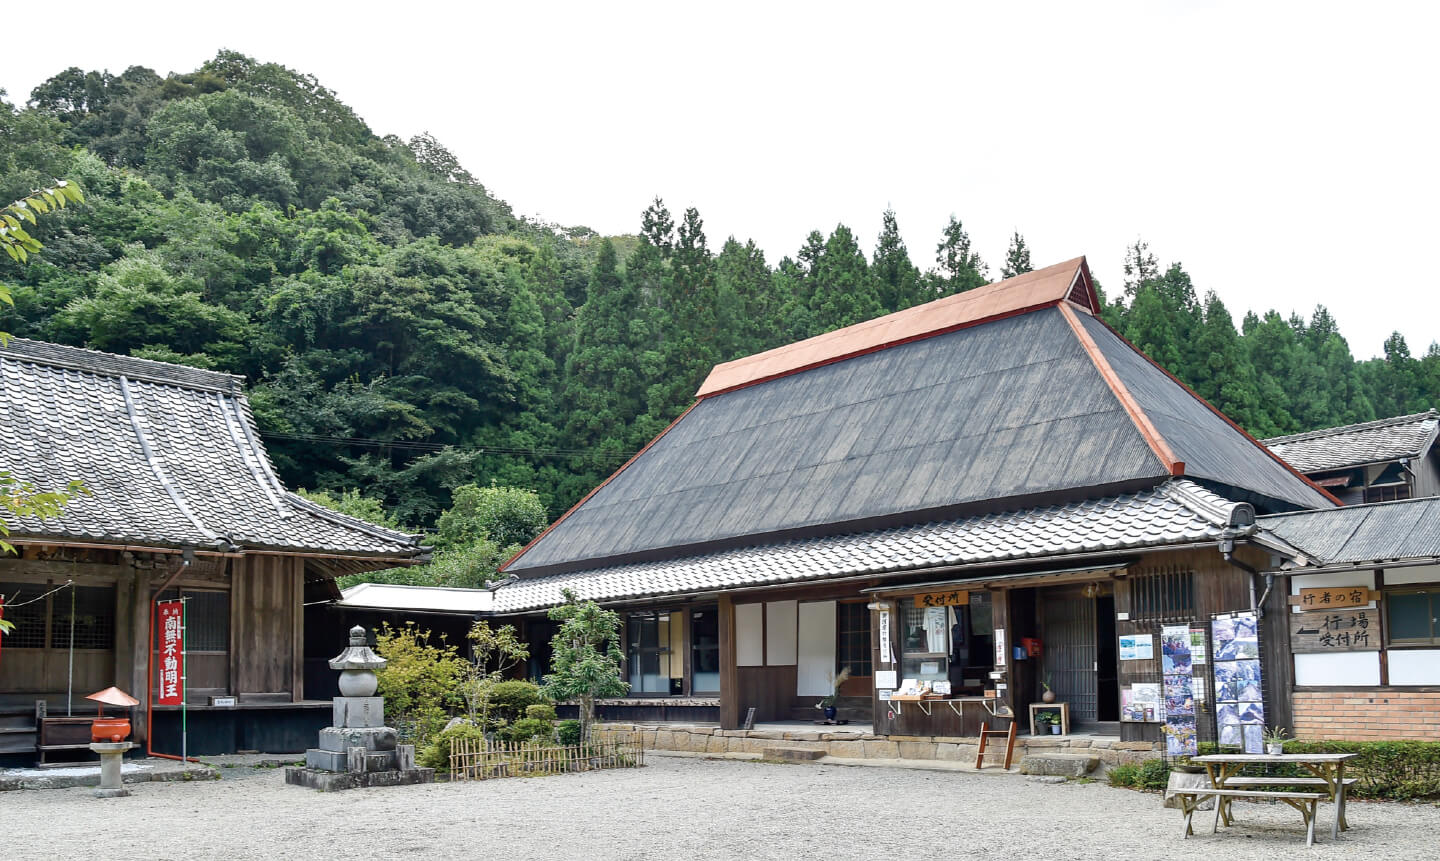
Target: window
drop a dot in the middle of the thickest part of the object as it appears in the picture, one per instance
(1162, 596)
(924, 642)
(1411, 616)
(207, 619)
(1387, 493)
(91, 608)
(655, 661)
(705, 650)
(852, 639)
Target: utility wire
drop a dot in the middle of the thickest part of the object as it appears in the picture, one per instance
(413, 445)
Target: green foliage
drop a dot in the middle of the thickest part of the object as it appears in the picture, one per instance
(421, 682)
(529, 729)
(504, 516)
(1125, 775)
(493, 653)
(1153, 774)
(568, 732)
(436, 754)
(353, 503)
(509, 699)
(586, 657)
(541, 711)
(14, 239)
(1397, 770)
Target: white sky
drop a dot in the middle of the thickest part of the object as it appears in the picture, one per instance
(1283, 153)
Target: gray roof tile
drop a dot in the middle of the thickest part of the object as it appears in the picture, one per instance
(1362, 534)
(1175, 512)
(1355, 445)
(170, 454)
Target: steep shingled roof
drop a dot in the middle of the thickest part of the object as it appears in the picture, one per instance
(1028, 405)
(171, 455)
(1359, 444)
(1363, 534)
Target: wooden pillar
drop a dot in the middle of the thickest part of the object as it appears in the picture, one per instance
(297, 644)
(1278, 673)
(138, 583)
(729, 673)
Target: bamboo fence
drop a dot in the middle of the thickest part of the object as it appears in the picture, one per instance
(472, 759)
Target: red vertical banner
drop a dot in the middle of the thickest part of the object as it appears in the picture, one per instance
(171, 621)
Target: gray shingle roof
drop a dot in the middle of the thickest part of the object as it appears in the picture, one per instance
(1175, 512)
(1355, 445)
(170, 454)
(1015, 408)
(1360, 534)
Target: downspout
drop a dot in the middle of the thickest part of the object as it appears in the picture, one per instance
(1257, 606)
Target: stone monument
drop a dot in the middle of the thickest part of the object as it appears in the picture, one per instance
(358, 749)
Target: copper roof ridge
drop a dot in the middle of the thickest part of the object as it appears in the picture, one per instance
(1025, 293)
(1142, 422)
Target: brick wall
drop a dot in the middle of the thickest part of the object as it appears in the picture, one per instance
(1367, 714)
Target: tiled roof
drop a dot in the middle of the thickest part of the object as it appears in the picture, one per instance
(1363, 534)
(1175, 512)
(1354, 445)
(171, 455)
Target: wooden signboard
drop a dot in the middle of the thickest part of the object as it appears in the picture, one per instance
(1335, 631)
(1334, 596)
(952, 598)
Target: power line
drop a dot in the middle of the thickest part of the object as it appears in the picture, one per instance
(415, 445)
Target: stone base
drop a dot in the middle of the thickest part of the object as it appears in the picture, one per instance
(110, 793)
(376, 738)
(333, 760)
(331, 781)
(1180, 780)
(1058, 764)
(791, 754)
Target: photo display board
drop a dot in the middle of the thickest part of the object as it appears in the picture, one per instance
(1177, 664)
(1239, 704)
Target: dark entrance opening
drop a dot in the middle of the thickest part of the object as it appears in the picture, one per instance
(1106, 662)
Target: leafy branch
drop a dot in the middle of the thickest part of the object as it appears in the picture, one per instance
(18, 243)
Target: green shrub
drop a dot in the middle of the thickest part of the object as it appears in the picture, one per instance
(510, 699)
(1154, 774)
(568, 732)
(1398, 770)
(541, 711)
(436, 754)
(420, 682)
(1123, 775)
(529, 729)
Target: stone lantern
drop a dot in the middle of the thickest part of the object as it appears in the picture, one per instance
(358, 749)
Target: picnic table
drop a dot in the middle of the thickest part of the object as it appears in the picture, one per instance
(1327, 775)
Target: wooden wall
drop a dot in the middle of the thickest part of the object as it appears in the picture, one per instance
(266, 621)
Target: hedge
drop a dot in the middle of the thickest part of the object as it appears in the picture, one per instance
(1394, 770)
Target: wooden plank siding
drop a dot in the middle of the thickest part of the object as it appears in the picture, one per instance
(264, 631)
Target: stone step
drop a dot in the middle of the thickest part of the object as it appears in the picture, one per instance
(1058, 764)
(792, 754)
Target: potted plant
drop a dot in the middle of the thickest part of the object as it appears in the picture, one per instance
(1045, 723)
(1274, 740)
(827, 703)
(1049, 695)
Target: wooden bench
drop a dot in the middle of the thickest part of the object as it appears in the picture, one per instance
(1338, 797)
(1302, 801)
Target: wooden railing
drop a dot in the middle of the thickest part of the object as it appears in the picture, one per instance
(472, 759)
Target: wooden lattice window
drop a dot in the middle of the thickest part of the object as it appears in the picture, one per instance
(852, 639)
(1162, 596)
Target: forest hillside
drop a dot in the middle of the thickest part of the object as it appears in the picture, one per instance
(404, 333)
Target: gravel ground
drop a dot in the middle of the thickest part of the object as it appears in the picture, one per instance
(683, 808)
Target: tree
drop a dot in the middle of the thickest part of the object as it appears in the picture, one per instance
(507, 516)
(586, 658)
(958, 267)
(353, 503)
(1140, 267)
(493, 653)
(1017, 258)
(897, 279)
(18, 243)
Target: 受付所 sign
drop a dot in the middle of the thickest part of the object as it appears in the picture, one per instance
(170, 619)
(1333, 596)
(953, 598)
(1335, 631)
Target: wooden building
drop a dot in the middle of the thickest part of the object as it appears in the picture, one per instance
(983, 493)
(183, 502)
(1377, 461)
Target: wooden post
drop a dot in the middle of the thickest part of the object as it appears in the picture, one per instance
(297, 642)
(729, 672)
(139, 623)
